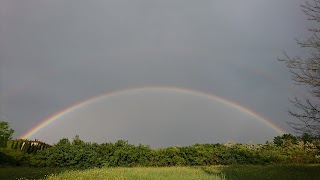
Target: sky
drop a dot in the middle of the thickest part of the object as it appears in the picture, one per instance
(54, 54)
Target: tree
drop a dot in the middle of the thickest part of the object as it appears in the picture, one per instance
(306, 71)
(5, 133)
(278, 140)
(77, 140)
(63, 141)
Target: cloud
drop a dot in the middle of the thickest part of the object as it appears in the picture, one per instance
(55, 54)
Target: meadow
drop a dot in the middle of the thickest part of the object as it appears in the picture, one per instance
(238, 172)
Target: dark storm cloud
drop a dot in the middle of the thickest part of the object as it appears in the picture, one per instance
(58, 53)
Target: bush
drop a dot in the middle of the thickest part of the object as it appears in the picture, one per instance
(11, 157)
(121, 153)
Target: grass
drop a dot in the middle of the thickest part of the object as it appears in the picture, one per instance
(238, 172)
(27, 172)
(161, 173)
(272, 172)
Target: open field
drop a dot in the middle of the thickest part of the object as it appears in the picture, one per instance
(211, 172)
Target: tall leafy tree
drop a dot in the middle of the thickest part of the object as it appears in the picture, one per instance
(5, 133)
(63, 141)
(306, 71)
(77, 141)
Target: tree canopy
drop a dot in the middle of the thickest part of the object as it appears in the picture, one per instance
(5, 133)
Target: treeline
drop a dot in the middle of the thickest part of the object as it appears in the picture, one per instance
(18, 152)
(27, 146)
(79, 154)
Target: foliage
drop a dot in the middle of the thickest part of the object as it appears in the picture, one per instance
(63, 141)
(27, 145)
(274, 172)
(76, 140)
(285, 149)
(278, 140)
(306, 71)
(11, 157)
(19, 152)
(5, 133)
(28, 172)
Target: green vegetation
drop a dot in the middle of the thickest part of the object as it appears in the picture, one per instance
(120, 160)
(26, 145)
(238, 172)
(5, 133)
(285, 149)
(27, 172)
(138, 173)
(244, 172)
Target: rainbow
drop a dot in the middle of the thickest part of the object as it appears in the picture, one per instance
(187, 91)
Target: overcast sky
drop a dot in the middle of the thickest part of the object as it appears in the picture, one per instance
(54, 54)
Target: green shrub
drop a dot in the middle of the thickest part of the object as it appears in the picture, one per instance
(88, 155)
(13, 157)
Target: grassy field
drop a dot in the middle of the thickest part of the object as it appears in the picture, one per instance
(282, 172)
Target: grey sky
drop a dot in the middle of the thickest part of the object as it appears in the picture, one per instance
(54, 54)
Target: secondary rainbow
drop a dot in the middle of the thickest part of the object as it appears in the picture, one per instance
(188, 91)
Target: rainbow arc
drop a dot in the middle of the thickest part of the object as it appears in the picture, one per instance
(180, 90)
